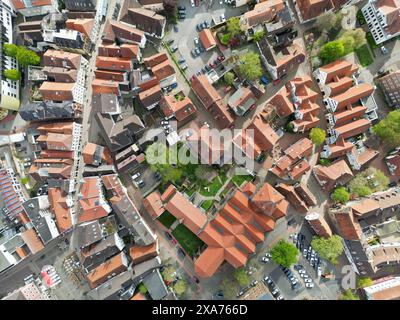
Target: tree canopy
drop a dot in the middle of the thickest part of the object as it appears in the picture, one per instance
(258, 35)
(326, 22)
(229, 77)
(27, 57)
(349, 295)
(229, 288)
(367, 182)
(233, 26)
(180, 287)
(364, 282)
(168, 273)
(12, 74)
(250, 66)
(284, 253)
(328, 248)
(388, 129)
(317, 136)
(340, 194)
(332, 51)
(241, 277)
(10, 49)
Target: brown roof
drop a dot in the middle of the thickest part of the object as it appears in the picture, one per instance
(150, 96)
(114, 63)
(110, 268)
(207, 39)
(179, 108)
(155, 59)
(212, 101)
(84, 26)
(163, 70)
(263, 12)
(353, 128)
(58, 91)
(327, 176)
(339, 148)
(117, 30)
(92, 203)
(338, 69)
(139, 254)
(353, 94)
(311, 9)
(32, 240)
(154, 204)
(185, 211)
(61, 59)
(58, 204)
(20, 4)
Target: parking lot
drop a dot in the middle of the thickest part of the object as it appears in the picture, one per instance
(184, 37)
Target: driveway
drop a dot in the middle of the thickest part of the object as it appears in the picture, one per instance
(184, 38)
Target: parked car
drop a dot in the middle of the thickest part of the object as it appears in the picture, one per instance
(170, 41)
(136, 175)
(174, 48)
(192, 3)
(184, 67)
(201, 49)
(157, 175)
(206, 24)
(199, 27)
(384, 50)
(141, 184)
(240, 293)
(267, 280)
(181, 60)
(196, 41)
(264, 259)
(310, 285)
(253, 283)
(182, 8)
(194, 53)
(279, 297)
(265, 81)
(197, 50)
(176, 29)
(222, 17)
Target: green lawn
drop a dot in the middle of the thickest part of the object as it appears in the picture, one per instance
(187, 239)
(167, 219)
(240, 179)
(211, 189)
(207, 204)
(364, 56)
(371, 41)
(360, 18)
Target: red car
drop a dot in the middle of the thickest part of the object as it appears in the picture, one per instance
(277, 81)
(212, 65)
(221, 58)
(197, 3)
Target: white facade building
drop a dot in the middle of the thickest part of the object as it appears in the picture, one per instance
(382, 17)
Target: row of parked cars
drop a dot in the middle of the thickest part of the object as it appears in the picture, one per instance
(305, 276)
(276, 293)
(212, 65)
(244, 290)
(290, 276)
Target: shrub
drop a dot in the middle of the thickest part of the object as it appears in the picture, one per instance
(12, 74)
(341, 195)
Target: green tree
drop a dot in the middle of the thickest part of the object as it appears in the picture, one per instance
(250, 66)
(349, 295)
(180, 287)
(369, 181)
(358, 36)
(388, 129)
(332, 51)
(341, 195)
(169, 274)
(241, 277)
(364, 282)
(326, 22)
(233, 26)
(229, 77)
(284, 253)
(10, 49)
(317, 136)
(27, 57)
(12, 74)
(142, 288)
(348, 44)
(258, 35)
(328, 248)
(229, 288)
